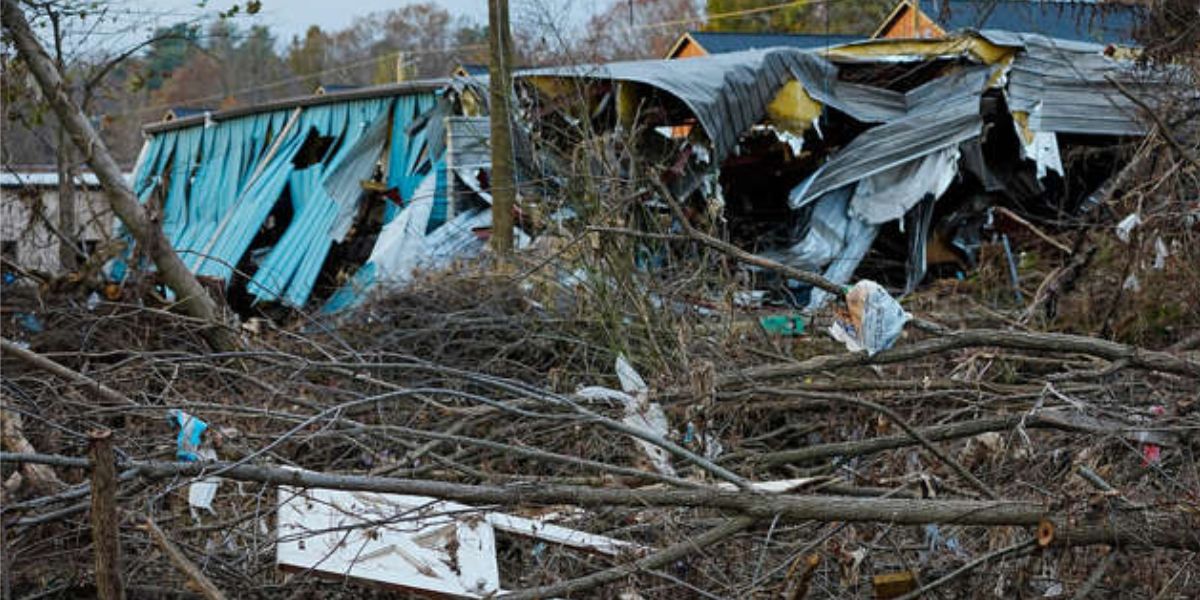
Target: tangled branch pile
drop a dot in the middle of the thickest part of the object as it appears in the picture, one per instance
(1038, 449)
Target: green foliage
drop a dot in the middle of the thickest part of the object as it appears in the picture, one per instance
(168, 52)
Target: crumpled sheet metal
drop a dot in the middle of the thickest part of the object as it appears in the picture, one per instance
(945, 117)
(728, 93)
(888, 195)
(1063, 86)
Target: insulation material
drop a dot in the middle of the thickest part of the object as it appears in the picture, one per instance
(792, 109)
(981, 48)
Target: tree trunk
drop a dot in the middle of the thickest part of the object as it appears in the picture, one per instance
(503, 180)
(1172, 528)
(67, 259)
(106, 532)
(193, 299)
(68, 243)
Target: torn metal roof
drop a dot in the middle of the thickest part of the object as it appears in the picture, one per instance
(945, 113)
(726, 92)
(331, 96)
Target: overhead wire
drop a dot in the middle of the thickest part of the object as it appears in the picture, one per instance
(468, 47)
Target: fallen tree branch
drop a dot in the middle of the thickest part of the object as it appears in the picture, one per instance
(12, 439)
(181, 562)
(959, 572)
(810, 278)
(1161, 529)
(928, 444)
(1165, 131)
(1051, 419)
(1150, 360)
(661, 558)
(38, 361)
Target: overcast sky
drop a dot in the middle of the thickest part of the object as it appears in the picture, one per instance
(289, 18)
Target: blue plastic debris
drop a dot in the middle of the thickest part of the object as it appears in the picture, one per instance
(190, 431)
(30, 322)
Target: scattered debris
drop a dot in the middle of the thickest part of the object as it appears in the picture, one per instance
(874, 321)
(411, 542)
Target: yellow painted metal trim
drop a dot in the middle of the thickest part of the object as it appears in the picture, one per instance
(975, 46)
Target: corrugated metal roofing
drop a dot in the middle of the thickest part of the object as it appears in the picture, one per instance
(1064, 88)
(376, 91)
(724, 42)
(727, 92)
(946, 114)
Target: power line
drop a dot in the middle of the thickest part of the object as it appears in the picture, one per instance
(394, 54)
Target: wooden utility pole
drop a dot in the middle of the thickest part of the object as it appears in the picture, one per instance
(193, 298)
(503, 180)
(67, 245)
(106, 531)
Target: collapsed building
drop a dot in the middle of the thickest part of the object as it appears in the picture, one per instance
(813, 157)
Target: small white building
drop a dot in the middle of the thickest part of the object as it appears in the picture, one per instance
(29, 223)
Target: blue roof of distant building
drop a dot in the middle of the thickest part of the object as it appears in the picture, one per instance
(1079, 20)
(721, 42)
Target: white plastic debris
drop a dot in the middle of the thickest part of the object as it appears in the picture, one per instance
(888, 195)
(1132, 284)
(417, 543)
(1125, 227)
(202, 493)
(1043, 150)
(640, 413)
(645, 415)
(1160, 254)
(875, 319)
